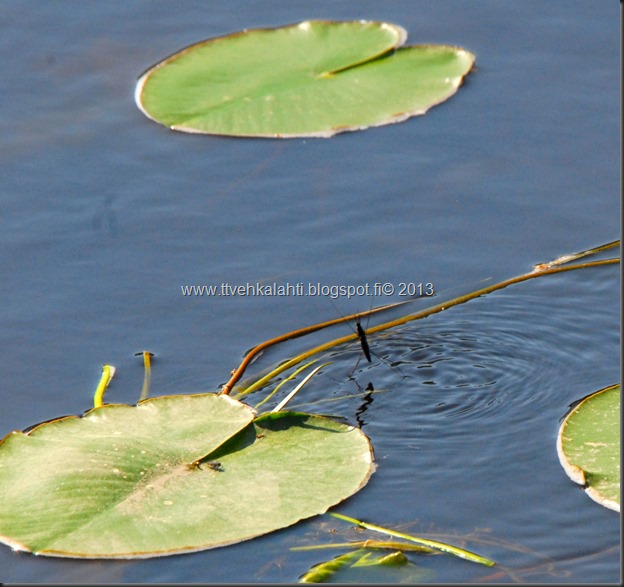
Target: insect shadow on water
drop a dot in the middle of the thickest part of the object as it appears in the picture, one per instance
(366, 401)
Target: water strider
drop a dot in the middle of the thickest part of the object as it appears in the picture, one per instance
(363, 341)
(361, 332)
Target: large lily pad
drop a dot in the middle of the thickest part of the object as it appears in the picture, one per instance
(315, 78)
(172, 474)
(588, 445)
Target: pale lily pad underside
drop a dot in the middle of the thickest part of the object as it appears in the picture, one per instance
(312, 79)
(588, 445)
(121, 482)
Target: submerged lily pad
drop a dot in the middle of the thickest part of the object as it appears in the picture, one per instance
(361, 566)
(588, 445)
(315, 78)
(173, 474)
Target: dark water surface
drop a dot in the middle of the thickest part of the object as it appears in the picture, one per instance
(105, 215)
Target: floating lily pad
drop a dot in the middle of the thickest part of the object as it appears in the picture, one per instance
(173, 474)
(588, 445)
(315, 78)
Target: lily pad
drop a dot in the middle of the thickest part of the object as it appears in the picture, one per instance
(588, 445)
(312, 79)
(172, 474)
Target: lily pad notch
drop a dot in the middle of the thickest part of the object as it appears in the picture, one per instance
(311, 79)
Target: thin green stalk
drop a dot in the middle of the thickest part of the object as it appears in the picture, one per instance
(373, 544)
(465, 554)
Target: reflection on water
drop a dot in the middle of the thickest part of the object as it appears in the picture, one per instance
(105, 218)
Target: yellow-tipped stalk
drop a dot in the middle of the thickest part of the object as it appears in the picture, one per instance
(108, 371)
(147, 378)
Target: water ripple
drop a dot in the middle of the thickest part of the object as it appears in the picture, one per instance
(493, 362)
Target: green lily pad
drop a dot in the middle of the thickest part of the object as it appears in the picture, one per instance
(173, 474)
(312, 79)
(588, 445)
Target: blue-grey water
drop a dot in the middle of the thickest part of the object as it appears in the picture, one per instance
(105, 215)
